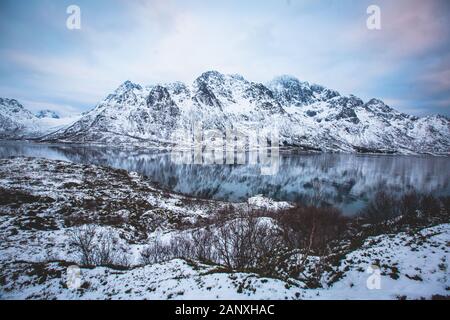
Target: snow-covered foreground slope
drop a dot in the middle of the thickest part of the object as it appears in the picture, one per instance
(42, 202)
(16, 122)
(307, 116)
(413, 267)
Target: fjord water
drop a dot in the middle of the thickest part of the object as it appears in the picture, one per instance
(346, 181)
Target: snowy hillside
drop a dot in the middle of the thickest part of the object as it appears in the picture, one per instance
(17, 122)
(415, 277)
(307, 116)
(45, 203)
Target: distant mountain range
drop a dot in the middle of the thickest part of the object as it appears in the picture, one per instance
(17, 122)
(307, 116)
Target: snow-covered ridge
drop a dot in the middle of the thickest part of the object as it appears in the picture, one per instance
(307, 116)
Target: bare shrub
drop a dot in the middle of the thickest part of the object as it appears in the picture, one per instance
(409, 203)
(83, 238)
(146, 256)
(110, 251)
(157, 252)
(312, 228)
(431, 205)
(105, 249)
(421, 209)
(181, 246)
(223, 215)
(412, 207)
(202, 245)
(195, 245)
(269, 248)
(384, 207)
(318, 194)
(248, 243)
(244, 243)
(299, 241)
(98, 248)
(445, 204)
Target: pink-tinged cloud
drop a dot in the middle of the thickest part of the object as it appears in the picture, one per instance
(437, 81)
(409, 28)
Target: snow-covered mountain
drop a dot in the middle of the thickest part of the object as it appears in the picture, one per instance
(47, 114)
(17, 122)
(307, 116)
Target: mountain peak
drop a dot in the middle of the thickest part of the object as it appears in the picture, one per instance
(285, 78)
(12, 104)
(47, 114)
(212, 73)
(127, 86)
(237, 76)
(378, 105)
(210, 76)
(375, 101)
(158, 93)
(291, 91)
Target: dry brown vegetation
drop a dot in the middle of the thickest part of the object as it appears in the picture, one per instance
(281, 243)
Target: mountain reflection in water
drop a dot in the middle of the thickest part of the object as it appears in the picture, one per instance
(346, 181)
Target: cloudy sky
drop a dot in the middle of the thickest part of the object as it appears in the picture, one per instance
(45, 65)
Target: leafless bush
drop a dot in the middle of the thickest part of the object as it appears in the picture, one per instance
(296, 241)
(98, 248)
(408, 204)
(244, 243)
(412, 207)
(202, 245)
(318, 194)
(83, 238)
(312, 228)
(105, 253)
(157, 252)
(445, 204)
(384, 207)
(248, 243)
(431, 205)
(195, 245)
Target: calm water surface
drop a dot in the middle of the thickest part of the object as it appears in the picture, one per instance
(346, 181)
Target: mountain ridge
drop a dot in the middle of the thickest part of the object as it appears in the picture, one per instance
(307, 116)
